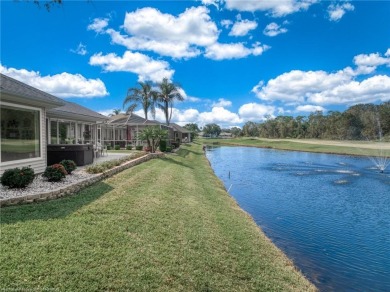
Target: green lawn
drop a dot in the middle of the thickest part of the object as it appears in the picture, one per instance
(294, 145)
(165, 225)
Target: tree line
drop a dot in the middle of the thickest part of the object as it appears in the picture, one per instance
(358, 122)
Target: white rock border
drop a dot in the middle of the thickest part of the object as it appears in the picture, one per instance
(73, 188)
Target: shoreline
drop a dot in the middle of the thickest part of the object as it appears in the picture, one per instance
(317, 146)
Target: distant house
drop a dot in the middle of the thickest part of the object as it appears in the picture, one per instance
(180, 133)
(225, 135)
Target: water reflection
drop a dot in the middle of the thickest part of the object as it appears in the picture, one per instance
(329, 213)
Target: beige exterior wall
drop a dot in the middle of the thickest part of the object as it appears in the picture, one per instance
(38, 164)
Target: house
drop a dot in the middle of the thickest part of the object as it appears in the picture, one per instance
(74, 124)
(23, 124)
(124, 129)
(38, 128)
(32, 121)
(181, 134)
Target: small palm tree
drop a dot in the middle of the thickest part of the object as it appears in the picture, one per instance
(166, 97)
(153, 135)
(115, 112)
(143, 95)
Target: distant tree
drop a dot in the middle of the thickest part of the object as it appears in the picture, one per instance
(167, 95)
(193, 128)
(250, 129)
(212, 130)
(144, 95)
(115, 112)
(236, 132)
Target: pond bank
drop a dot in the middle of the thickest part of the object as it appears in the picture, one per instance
(354, 148)
(165, 225)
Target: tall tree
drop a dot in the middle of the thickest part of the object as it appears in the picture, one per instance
(212, 130)
(144, 95)
(168, 94)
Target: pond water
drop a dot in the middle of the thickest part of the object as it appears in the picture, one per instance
(330, 214)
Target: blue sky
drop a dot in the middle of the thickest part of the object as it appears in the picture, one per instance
(235, 61)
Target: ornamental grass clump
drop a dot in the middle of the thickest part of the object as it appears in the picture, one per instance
(17, 178)
(69, 165)
(55, 172)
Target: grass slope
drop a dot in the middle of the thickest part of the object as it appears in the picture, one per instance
(296, 145)
(165, 225)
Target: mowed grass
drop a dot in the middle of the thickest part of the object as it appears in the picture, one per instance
(165, 225)
(300, 146)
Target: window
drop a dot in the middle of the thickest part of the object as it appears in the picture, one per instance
(20, 133)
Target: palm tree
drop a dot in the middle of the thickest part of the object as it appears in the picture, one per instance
(166, 97)
(115, 112)
(143, 95)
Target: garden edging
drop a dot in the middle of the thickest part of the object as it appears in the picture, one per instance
(75, 187)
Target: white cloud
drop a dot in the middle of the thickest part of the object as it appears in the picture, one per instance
(98, 25)
(296, 85)
(255, 111)
(186, 97)
(222, 103)
(337, 11)
(144, 66)
(215, 3)
(320, 88)
(165, 34)
(242, 27)
(309, 108)
(221, 116)
(179, 49)
(376, 88)
(226, 23)
(61, 85)
(80, 50)
(276, 8)
(220, 51)
(273, 29)
(368, 63)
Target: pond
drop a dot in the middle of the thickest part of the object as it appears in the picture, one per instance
(330, 214)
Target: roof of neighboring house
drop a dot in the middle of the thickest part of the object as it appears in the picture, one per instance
(131, 119)
(178, 128)
(75, 111)
(24, 93)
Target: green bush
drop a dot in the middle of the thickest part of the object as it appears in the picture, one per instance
(163, 145)
(139, 147)
(69, 165)
(55, 172)
(108, 147)
(168, 149)
(17, 178)
(129, 147)
(117, 147)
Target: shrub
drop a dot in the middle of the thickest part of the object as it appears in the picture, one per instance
(117, 147)
(69, 165)
(139, 147)
(168, 149)
(108, 147)
(17, 178)
(129, 147)
(55, 172)
(163, 145)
